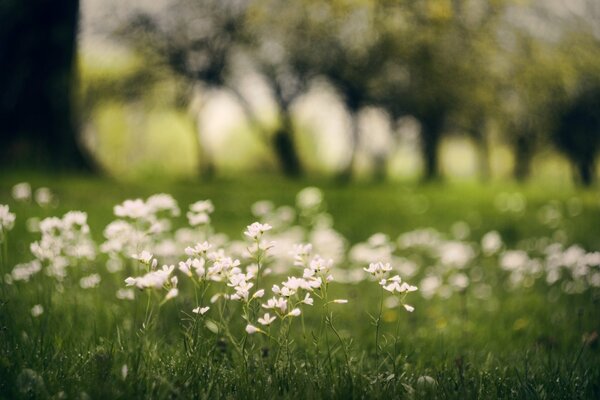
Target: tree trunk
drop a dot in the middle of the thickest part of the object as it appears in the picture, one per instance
(481, 138)
(523, 154)
(345, 174)
(586, 172)
(431, 134)
(206, 165)
(285, 148)
(380, 168)
(37, 76)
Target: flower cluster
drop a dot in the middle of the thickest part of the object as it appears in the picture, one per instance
(7, 220)
(65, 242)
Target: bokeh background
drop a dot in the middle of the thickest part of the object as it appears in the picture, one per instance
(490, 90)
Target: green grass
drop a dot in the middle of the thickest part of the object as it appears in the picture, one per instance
(525, 343)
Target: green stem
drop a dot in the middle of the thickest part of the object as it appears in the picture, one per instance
(377, 325)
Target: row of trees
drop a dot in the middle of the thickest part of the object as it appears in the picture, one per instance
(454, 65)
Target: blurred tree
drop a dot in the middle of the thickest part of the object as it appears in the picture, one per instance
(203, 41)
(578, 132)
(350, 57)
(281, 43)
(426, 73)
(536, 83)
(37, 49)
(195, 40)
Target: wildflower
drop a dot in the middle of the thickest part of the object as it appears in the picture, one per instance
(256, 230)
(134, 209)
(455, 254)
(378, 269)
(301, 254)
(145, 258)
(24, 272)
(491, 243)
(201, 310)
(203, 206)
(308, 300)
(250, 329)
(319, 264)
(309, 198)
(241, 287)
(125, 294)
(37, 310)
(90, 281)
(199, 249)
(295, 312)
(340, 301)
(397, 285)
(7, 219)
(131, 281)
(21, 191)
(280, 303)
(172, 293)
(199, 213)
(266, 319)
(262, 208)
(43, 196)
(163, 202)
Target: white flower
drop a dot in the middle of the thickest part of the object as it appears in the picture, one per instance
(250, 329)
(256, 230)
(43, 196)
(133, 209)
(7, 219)
(163, 202)
(262, 208)
(308, 300)
(378, 269)
(199, 213)
(319, 264)
(90, 281)
(199, 249)
(197, 219)
(408, 308)
(203, 206)
(397, 285)
(309, 198)
(280, 303)
(340, 301)
(266, 319)
(491, 243)
(21, 191)
(301, 254)
(200, 310)
(295, 312)
(125, 294)
(131, 281)
(259, 293)
(172, 294)
(37, 310)
(146, 258)
(185, 267)
(24, 272)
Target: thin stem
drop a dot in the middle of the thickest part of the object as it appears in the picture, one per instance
(377, 325)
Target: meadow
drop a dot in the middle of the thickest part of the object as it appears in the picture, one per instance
(406, 291)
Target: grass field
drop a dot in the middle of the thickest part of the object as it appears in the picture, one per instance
(517, 319)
